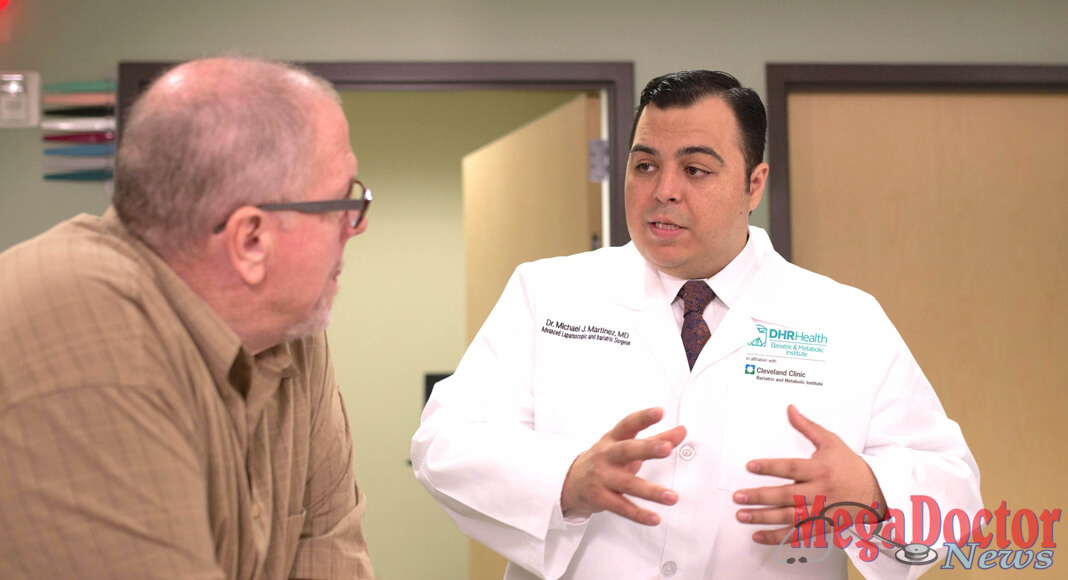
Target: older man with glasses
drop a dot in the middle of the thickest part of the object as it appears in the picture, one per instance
(168, 407)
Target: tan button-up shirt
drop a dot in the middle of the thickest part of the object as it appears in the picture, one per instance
(138, 439)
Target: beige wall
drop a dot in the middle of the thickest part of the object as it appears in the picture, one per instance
(416, 213)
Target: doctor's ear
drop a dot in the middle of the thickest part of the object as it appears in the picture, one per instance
(757, 180)
(250, 240)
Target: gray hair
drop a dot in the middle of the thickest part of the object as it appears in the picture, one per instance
(210, 136)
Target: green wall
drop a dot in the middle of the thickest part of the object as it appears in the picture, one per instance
(74, 39)
(401, 310)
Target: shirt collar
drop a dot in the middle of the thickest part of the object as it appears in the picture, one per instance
(729, 283)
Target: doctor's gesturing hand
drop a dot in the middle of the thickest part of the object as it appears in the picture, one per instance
(602, 476)
(834, 471)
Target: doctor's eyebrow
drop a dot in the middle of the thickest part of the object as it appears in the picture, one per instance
(699, 150)
(638, 148)
(691, 150)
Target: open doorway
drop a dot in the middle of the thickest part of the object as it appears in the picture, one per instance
(401, 312)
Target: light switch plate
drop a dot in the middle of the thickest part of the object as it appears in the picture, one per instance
(20, 99)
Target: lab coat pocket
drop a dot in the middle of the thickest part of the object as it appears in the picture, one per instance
(756, 427)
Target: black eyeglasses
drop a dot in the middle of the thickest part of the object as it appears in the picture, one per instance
(354, 208)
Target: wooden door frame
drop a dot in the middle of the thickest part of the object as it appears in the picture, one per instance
(785, 78)
(615, 78)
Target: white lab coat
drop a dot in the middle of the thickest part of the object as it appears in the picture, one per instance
(498, 437)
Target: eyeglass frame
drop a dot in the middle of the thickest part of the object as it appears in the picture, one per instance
(346, 205)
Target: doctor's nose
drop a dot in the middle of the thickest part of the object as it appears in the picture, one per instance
(666, 190)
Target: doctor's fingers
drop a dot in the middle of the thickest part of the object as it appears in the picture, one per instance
(786, 516)
(617, 504)
(778, 496)
(674, 436)
(796, 469)
(635, 423)
(775, 537)
(628, 451)
(778, 515)
(599, 488)
(623, 484)
(813, 431)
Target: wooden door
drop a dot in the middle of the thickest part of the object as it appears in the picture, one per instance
(950, 208)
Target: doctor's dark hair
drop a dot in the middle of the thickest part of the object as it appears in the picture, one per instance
(685, 88)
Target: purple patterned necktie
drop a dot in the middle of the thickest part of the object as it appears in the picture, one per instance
(695, 296)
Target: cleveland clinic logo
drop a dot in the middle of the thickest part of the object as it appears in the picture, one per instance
(965, 541)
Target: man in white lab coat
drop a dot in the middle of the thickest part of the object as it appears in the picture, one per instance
(537, 447)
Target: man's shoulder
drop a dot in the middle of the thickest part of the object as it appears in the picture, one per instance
(74, 310)
(80, 253)
(77, 269)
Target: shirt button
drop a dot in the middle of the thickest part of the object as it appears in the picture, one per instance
(687, 452)
(668, 569)
(255, 511)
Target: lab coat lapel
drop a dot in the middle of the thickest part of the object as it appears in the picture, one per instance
(734, 332)
(654, 322)
(658, 332)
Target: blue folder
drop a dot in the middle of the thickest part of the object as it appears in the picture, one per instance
(89, 175)
(83, 150)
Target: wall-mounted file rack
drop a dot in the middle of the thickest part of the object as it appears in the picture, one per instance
(79, 131)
